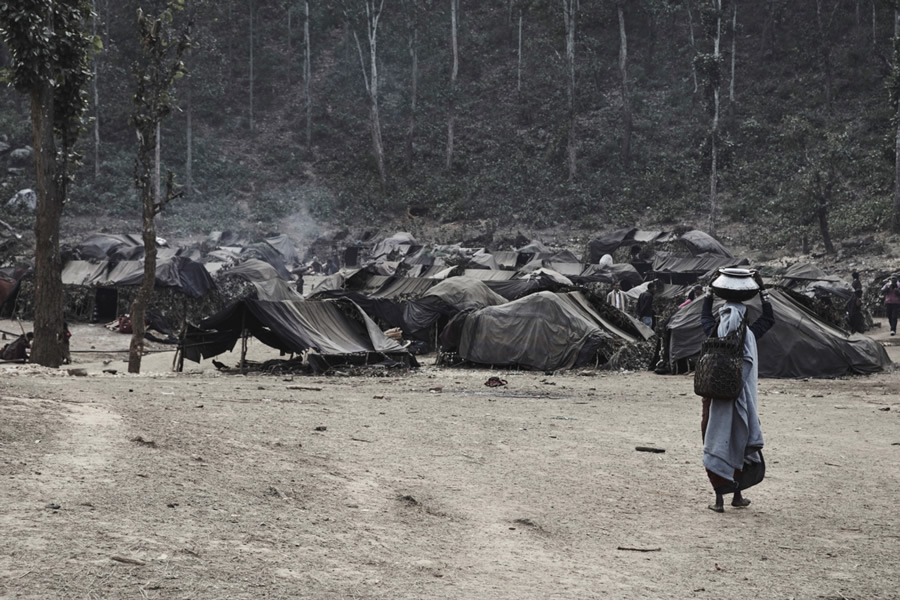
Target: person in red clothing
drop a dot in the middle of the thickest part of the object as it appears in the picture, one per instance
(891, 291)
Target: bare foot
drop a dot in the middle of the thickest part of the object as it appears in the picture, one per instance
(716, 508)
(740, 502)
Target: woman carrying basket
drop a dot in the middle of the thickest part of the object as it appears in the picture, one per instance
(732, 437)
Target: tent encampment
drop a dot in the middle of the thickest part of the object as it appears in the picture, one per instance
(800, 344)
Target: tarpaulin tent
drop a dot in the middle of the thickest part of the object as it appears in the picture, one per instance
(800, 344)
(542, 331)
(336, 328)
(445, 299)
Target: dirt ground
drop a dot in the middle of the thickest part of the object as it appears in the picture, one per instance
(429, 484)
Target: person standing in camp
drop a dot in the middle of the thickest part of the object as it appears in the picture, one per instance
(855, 282)
(645, 310)
(891, 292)
(854, 312)
(617, 297)
(732, 436)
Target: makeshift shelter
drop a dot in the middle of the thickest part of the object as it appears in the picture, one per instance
(541, 331)
(444, 300)
(800, 344)
(333, 331)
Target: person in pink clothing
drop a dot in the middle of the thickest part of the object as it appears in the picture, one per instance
(891, 292)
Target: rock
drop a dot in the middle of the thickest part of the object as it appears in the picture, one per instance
(22, 154)
(77, 372)
(24, 200)
(15, 171)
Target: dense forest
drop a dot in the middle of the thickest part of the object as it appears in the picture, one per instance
(585, 113)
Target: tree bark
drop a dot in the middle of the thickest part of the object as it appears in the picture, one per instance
(189, 134)
(896, 215)
(96, 95)
(825, 50)
(451, 113)
(307, 75)
(371, 81)
(693, 44)
(250, 32)
(822, 202)
(733, 50)
(414, 81)
(519, 64)
(626, 98)
(714, 130)
(49, 332)
(570, 10)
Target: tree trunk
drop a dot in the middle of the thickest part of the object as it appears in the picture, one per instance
(519, 63)
(570, 9)
(189, 134)
(156, 166)
(250, 32)
(825, 49)
(823, 200)
(451, 113)
(96, 95)
(413, 84)
(626, 98)
(693, 44)
(896, 215)
(48, 293)
(307, 74)
(733, 50)
(139, 306)
(371, 81)
(714, 130)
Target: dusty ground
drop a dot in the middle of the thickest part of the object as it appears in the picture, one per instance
(431, 485)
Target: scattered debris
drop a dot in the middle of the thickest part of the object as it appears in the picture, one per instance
(408, 500)
(320, 428)
(495, 382)
(303, 388)
(649, 449)
(127, 561)
(53, 506)
(643, 550)
(140, 440)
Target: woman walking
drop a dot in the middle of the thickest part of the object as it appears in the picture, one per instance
(732, 437)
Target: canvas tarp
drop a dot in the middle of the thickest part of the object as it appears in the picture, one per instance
(291, 327)
(185, 275)
(542, 331)
(798, 345)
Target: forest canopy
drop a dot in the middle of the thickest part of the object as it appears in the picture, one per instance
(598, 113)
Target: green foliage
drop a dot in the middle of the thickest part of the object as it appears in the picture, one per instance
(49, 46)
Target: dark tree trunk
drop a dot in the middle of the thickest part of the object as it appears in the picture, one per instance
(49, 332)
(626, 98)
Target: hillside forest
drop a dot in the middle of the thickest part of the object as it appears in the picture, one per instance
(595, 114)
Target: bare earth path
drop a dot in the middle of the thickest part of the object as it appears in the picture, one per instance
(431, 485)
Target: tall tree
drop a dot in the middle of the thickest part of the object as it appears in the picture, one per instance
(709, 66)
(570, 14)
(307, 76)
(155, 74)
(454, 75)
(893, 86)
(733, 49)
(96, 94)
(370, 78)
(412, 21)
(252, 9)
(49, 47)
(626, 97)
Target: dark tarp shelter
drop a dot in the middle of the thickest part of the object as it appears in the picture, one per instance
(184, 275)
(330, 328)
(542, 331)
(798, 345)
(447, 298)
